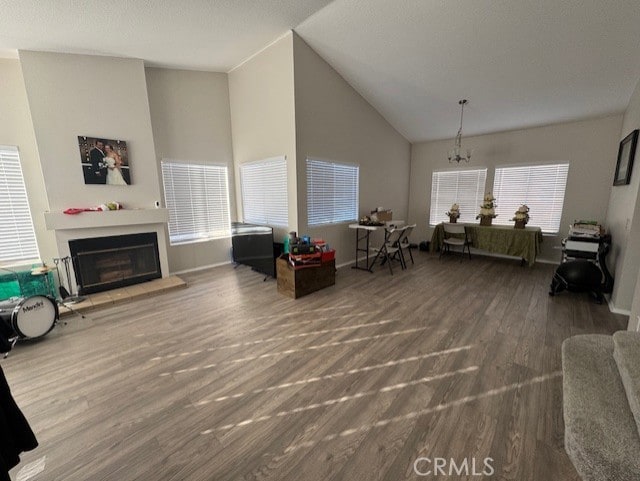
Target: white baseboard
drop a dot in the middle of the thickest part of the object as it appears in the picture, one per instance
(200, 268)
(482, 253)
(473, 252)
(614, 309)
(548, 261)
(478, 252)
(210, 266)
(348, 263)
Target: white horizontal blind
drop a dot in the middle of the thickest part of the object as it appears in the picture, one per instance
(17, 237)
(197, 197)
(462, 187)
(264, 192)
(541, 187)
(332, 192)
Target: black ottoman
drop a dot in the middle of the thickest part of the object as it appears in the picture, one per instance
(578, 276)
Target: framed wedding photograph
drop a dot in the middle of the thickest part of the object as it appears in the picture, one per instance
(104, 161)
(626, 153)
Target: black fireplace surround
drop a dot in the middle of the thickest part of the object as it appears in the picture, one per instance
(103, 263)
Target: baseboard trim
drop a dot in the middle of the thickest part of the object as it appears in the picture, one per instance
(478, 252)
(200, 268)
(614, 309)
(473, 252)
(547, 261)
(348, 263)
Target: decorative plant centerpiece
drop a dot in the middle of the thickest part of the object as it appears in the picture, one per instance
(487, 210)
(454, 213)
(521, 217)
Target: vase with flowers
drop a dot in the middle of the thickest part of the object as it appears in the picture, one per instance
(521, 217)
(487, 210)
(454, 213)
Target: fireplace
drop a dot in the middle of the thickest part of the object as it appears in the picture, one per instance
(103, 263)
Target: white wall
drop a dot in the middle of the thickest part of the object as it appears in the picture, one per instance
(191, 122)
(261, 94)
(333, 122)
(589, 146)
(72, 95)
(623, 218)
(16, 129)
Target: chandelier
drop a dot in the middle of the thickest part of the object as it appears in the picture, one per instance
(455, 155)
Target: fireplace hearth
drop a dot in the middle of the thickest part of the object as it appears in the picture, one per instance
(104, 263)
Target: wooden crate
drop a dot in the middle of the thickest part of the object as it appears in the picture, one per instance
(300, 282)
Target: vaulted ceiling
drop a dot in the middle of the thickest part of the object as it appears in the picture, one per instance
(520, 63)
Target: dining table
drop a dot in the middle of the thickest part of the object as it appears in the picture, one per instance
(498, 239)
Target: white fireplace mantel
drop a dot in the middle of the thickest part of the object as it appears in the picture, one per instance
(110, 218)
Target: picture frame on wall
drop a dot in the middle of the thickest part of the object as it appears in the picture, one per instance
(626, 154)
(104, 161)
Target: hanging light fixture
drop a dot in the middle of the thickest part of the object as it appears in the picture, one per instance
(456, 155)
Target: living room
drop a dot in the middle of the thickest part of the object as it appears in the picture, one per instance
(463, 342)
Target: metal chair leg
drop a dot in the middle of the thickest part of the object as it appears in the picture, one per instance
(403, 263)
(388, 258)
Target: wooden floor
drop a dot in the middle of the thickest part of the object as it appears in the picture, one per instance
(227, 380)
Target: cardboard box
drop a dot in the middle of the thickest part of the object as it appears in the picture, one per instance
(384, 215)
(300, 282)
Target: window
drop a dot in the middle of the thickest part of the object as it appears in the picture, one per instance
(462, 187)
(197, 197)
(18, 240)
(332, 192)
(264, 192)
(541, 187)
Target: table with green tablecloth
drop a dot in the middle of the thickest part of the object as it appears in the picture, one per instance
(498, 239)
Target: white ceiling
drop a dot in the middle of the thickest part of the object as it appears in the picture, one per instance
(211, 35)
(520, 63)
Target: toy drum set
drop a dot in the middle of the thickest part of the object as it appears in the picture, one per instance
(28, 317)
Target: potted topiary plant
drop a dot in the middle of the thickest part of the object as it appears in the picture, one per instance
(454, 213)
(521, 217)
(487, 210)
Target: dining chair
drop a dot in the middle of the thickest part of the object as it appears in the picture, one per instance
(405, 243)
(455, 235)
(390, 247)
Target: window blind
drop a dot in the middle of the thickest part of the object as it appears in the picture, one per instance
(541, 187)
(462, 187)
(197, 197)
(332, 192)
(264, 192)
(17, 238)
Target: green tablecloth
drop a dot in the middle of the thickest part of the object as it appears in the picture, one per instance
(498, 239)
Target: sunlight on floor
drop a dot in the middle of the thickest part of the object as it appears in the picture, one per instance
(280, 338)
(310, 321)
(423, 412)
(343, 399)
(338, 374)
(301, 313)
(291, 351)
(32, 469)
